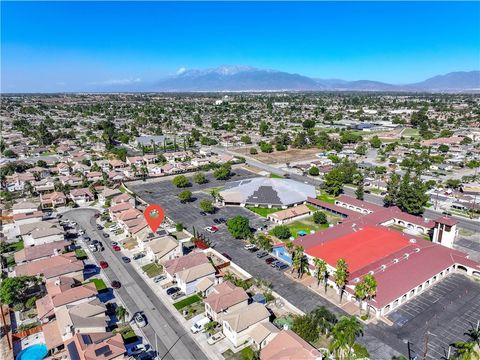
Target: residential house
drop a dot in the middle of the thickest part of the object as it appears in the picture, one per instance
(53, 267)
(238, 325)
(289, 346)
(81, 196)
(98, 346)
(44, 185)
(163, 248)
(71, 180)
(38, 252)
(53, 200)
(107, 193)
(223, 299)
(189, 270)
(23, 207)
(41, 232)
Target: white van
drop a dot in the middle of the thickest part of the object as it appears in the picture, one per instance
(199, 325)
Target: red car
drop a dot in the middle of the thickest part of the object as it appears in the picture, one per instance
(103, 264)
(116, 248)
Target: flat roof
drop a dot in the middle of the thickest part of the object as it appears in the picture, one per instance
(360, 247)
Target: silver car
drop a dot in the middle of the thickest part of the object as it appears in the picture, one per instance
(140, 320)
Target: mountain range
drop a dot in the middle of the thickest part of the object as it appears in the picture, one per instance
(244, 78)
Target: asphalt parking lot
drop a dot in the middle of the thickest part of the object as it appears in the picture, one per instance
(439, 316)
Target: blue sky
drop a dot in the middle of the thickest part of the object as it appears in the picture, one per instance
(59, 46)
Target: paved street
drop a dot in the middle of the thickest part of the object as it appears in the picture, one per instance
(172, 339)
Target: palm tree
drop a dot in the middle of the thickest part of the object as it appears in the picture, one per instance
(371, 288)
(474, 335)
(153, 146)
(465, 350)
(360, 293)
(321, 267)
(298, 260)
(345, 333)
(134, 170)
(341, 276)
(324, 318)
(121, 313)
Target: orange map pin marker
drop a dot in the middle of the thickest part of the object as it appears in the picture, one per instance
(154, 215)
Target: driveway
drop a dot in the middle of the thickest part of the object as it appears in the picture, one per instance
(162, 330)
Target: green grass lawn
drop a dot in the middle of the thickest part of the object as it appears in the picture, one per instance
(306, 225)
(152, 269)
(187, 301)
(244, 354)
(275, 176)
(108, 224)
(128, 334)
(327, 198)
(80, 254)
(99, 284)
(16, 246)
(262, 211)
(410, 132)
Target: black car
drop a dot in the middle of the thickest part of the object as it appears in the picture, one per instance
(227, 256)
(99, 227)
(125, 259)
(203, 213)
(95, 242)
(281, 267)
(270, 260)
(173, 290)
(105, 235)
(86, 238)
(216, 221)
(222, 220)
(116, 284)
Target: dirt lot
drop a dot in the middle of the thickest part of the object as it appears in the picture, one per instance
(280, 157)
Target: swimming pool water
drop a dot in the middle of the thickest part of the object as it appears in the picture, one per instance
(34, 352)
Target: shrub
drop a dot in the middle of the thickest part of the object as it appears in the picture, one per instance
(281, 232)
(314, 171)
(30, 303)
(319, 217)
(185, 196)
(178, 227)
(180, 181)
(207, 206)
(253, 151)
(200, 178)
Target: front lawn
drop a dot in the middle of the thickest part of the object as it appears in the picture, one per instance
(187, 301)
(262, 211)
(244, 354)
(275, 176)
(152, 269)
(99, 284)
(80, 254)
(128, 335)
(9, 247)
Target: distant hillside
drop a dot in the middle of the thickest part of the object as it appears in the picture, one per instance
(243, 78)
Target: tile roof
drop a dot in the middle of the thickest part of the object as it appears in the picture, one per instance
(185, 262)
(51, 267)
(95, 346)
(40, 251)
(224, 296)
(289, 346)
(245, 317)
(53, 338)
(196, 272)
(291, 212)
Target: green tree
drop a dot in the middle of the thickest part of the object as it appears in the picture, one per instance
(370, 288)
(345, 332)
(281, 232)
(465, 350)
(393, 184)
(299, 262)
(375, 142)
(306, 327)
(207, 206)
(253, 151)
(263, 128)
(178, 227)
(223, 172)
(321, 270)
(308, 124)
(13, 290)
(360, 191)
(246, 139)
(266, 147)
(181, 181)
(320, 217)
(314, 171)
(334, 181)
(360, 293)
(443, 148)
(341, 276)
(121, 313)
(412, 197)
(185, 196)
(200, 178)
(239, 227)
(473, 334)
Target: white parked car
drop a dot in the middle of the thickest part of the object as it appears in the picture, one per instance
(199, 325)
(140, 320)
(249, 246)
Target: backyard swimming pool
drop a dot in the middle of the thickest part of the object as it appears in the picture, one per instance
(34, 352)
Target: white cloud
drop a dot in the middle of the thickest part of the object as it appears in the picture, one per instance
(181, 70)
